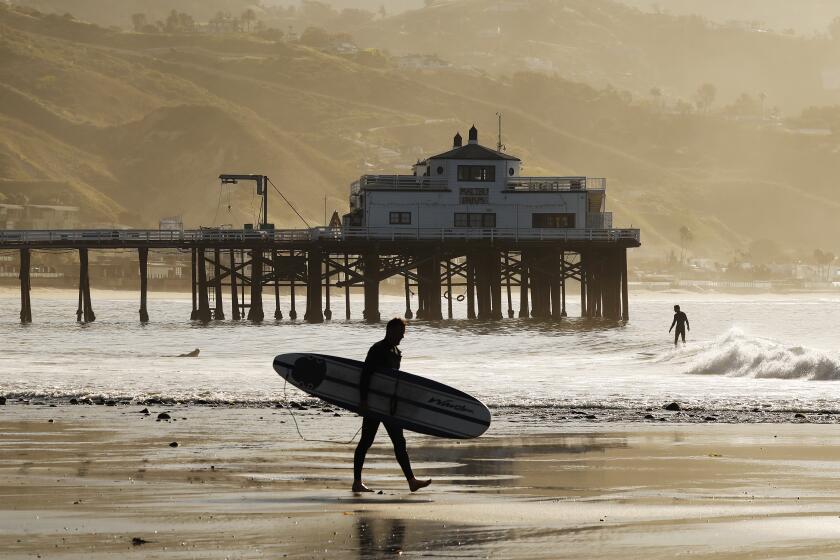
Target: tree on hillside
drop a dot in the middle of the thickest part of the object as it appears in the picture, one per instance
(656, 94)
(834, 28)
(683, 107)
(186, 22)
(139, 21)
(705, 96)
(315, 37)
(686, 237)
(178, 22)
(745, 106)
(823, 260)
(248, 17)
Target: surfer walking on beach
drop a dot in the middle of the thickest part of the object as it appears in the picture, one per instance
(383, 354)
(681, 322)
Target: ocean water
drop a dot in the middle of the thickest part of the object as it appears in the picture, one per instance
(777, 352)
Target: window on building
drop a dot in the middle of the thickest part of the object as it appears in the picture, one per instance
(510, 171)
(482, 173)
(552, 220)
(475, 220)
(440, 170)
(475, 195)
(400, 218)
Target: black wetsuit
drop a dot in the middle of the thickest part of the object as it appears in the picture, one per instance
(680, 320)
(381, 354)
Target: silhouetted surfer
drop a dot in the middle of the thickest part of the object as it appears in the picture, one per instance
(383, 354)
(681, 322)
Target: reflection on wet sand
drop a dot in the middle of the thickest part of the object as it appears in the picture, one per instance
(378, 545)
(240, 487)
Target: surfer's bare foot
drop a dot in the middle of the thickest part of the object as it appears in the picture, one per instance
(414, 485)
(359, 487)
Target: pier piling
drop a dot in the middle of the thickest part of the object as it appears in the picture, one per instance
(203, 314)
(25, 287)
(314, 312)
(494, 277)
(371, 266)
(234, 296)
(407, 289)
(278, 313)
(255, 310)
(625, 293)
(219, 310)
(84, 313)
(194, 284)
(449, 294)
(346, 287)
(292, 311)
(507, 276)
(563, 277)
(469, 270)
(524, 305)
(144, 282)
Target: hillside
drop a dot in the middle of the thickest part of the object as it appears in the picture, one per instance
(603, 42)
(804, 17)
(135, 127)
(118, 13)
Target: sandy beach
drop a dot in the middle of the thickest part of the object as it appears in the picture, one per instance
(90, 481)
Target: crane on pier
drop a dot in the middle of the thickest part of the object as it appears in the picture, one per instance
(262, 182)
(262, 190)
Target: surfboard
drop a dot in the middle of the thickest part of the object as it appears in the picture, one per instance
(410, 401)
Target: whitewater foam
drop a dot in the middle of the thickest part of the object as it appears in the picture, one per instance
(738, 354)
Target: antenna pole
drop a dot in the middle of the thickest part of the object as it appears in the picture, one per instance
(499, 143)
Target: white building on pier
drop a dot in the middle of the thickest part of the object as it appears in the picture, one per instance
(472, 187)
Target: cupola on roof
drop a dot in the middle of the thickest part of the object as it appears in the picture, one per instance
(473, 150)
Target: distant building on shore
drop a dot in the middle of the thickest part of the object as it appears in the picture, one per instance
(38, 216)
(472, 186)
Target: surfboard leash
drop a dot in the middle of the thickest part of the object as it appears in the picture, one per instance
(297, 428)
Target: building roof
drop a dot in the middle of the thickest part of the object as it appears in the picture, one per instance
(474, 151)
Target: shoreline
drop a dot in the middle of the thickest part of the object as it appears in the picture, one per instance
(542, 416)
(97, 482)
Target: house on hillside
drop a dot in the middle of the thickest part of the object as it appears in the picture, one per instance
(472, 187)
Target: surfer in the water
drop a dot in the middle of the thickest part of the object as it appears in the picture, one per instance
(681, 322)
(382, 354)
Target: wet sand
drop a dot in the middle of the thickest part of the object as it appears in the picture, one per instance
(241, 484)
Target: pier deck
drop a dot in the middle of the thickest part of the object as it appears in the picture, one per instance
(484, 262)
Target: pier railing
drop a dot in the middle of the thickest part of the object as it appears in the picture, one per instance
(546, 234)
(111, 237)
(399, 182)
(553, 184)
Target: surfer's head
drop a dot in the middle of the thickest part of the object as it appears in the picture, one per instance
(395, 331)
(677, 308)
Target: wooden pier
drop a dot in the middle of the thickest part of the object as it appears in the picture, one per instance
(481, 266)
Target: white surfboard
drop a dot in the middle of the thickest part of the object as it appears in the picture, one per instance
(413, 402)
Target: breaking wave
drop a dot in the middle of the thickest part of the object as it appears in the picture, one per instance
(738, 355)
